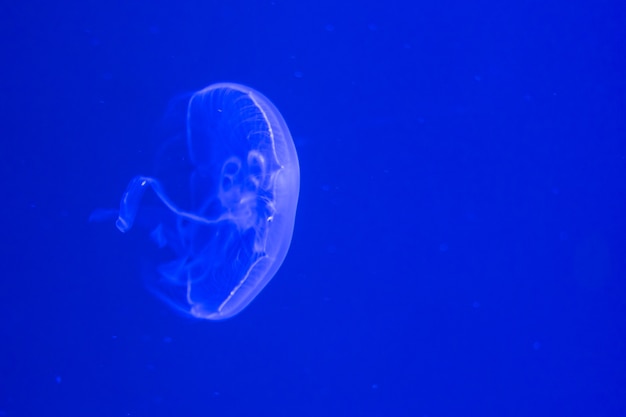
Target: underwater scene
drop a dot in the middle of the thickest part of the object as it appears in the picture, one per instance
(302, 209)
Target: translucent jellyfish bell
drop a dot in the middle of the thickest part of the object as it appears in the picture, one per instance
(243, 181)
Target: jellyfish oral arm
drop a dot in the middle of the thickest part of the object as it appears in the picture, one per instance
(132, 196)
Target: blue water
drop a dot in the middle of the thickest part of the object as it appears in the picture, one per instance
(459, 245)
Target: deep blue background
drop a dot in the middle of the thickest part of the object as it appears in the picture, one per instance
(460, 240)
